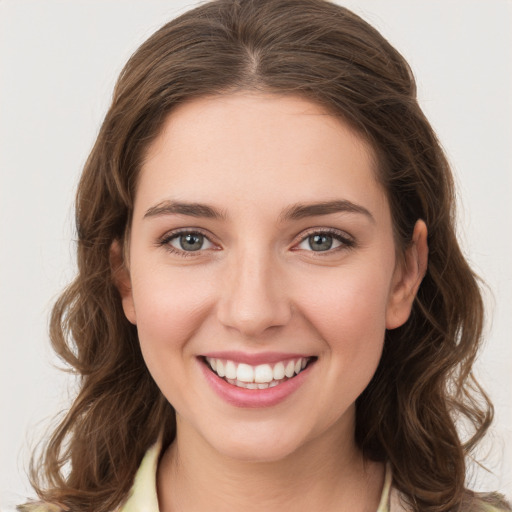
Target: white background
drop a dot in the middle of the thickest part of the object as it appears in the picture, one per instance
(58, 64)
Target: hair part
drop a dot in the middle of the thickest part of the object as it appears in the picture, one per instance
(325, 53)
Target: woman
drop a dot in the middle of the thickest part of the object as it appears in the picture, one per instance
(271, 308)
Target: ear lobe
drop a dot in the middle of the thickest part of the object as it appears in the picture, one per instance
(122, 281)
(408, 277)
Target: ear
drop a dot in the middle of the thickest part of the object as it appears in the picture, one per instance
(407, 278)
(122, 281)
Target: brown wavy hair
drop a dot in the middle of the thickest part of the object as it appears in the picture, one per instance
(423, 385)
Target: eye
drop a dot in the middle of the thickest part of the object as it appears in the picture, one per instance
(325, 241)
(183, 242)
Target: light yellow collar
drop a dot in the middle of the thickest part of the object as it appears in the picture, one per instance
(143, 497)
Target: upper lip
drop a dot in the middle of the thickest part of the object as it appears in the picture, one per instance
(255, 358)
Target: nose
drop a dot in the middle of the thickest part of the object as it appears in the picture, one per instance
(253, 297)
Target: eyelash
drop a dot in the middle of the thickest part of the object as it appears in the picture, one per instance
(164, 242)
(346, 241)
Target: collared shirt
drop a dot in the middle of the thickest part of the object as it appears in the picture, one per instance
(143, 497)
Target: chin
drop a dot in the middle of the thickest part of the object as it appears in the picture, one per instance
(250, 443)
(249, 452)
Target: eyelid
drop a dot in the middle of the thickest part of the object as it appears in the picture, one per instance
(165, 240)
(346, 240)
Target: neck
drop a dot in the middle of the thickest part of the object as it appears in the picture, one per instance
(326, 473)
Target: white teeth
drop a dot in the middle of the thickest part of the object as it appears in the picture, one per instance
(290, 369)
(279, 371)
(262, 376)
(252, 385)
(230, 370)
(245, 373)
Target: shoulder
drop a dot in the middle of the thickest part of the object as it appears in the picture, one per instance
(476, 502)
(39, 506)
(142, 495)
(393, 500)
(490, 502)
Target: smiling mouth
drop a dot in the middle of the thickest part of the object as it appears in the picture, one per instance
(261, 376)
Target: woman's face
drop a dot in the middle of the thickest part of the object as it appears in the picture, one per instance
(261, 246)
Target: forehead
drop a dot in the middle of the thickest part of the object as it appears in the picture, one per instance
(252, 148)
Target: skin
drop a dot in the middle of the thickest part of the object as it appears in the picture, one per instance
(256, 285)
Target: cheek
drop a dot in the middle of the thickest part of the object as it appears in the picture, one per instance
(169, 307)
(348, 309)
(349, 316)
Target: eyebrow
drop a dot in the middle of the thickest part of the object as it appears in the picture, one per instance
(296, 211)
(181, 208)
(302, 210)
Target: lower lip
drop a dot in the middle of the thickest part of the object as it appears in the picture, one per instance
(253, 398)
